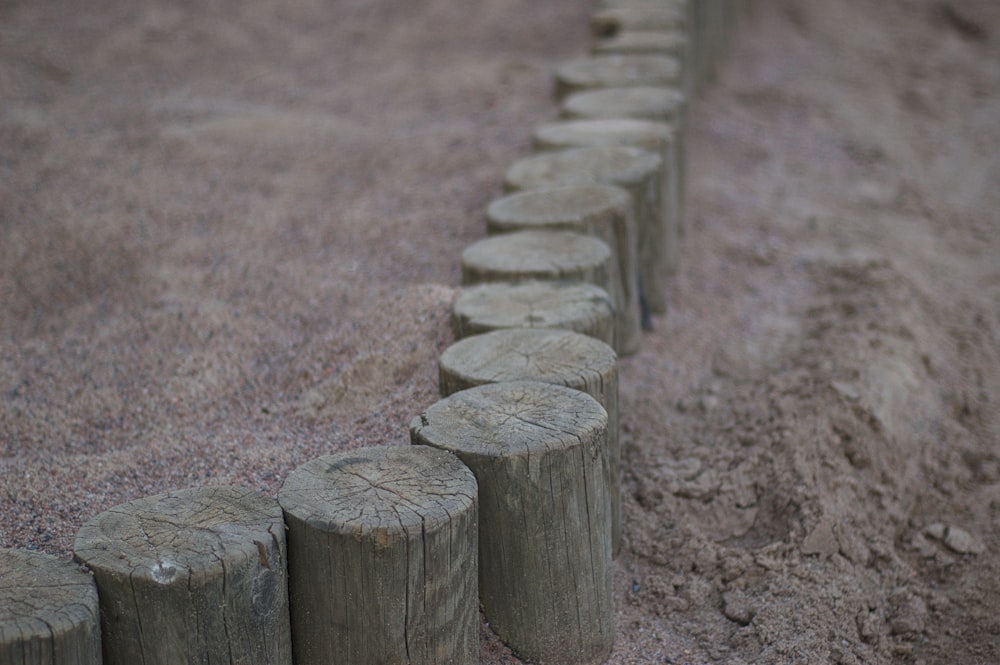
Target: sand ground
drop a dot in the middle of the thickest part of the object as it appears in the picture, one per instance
(229, 240)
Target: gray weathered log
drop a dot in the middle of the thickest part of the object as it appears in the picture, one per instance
(383, 558)
(660, 251)
(48, 611)
(552, 356)
(544, 255)
(538, 451)
(656, 104)
(603, 211)
(191, 576)
(611, 21)
(616, 71)
(633, 169)
(583, 308)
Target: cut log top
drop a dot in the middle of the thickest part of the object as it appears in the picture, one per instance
(603, 131)
(609, 165)
(167, 536)
(612, 20)
(598, 71)
(646, 102)
(572, 207)
(551, 254)
(379, 489)
(670, 42)
(511, 419)
(552, 356)
(42, 596)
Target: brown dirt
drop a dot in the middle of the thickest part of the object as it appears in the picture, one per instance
(229, 239)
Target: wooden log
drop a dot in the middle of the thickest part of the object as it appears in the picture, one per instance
(616, 71)
(546, 256)
(48, 611)
(644, 42)
(611, 21)
(661, 249)
(633, 169)
(551, 356)
(191, 576)
(602, 211)
(545, 556)
(383, 568)
(583, 308)
(667, 105)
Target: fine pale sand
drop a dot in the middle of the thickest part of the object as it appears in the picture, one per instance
(230, 237)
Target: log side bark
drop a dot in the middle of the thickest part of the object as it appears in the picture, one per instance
(383, 558)
(538, 451)
(48, 611)
(576, 306)
(191, 576)
(602, 211)
(552, 356)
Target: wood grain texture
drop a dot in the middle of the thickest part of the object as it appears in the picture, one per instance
(659, 248)
(633, 169)
(538, 451)
(669, 105)
(552, 356)
(576, 306)
(602, 211)
(48, 611)
(195, 575)
(539, 255)
(615, 71)
(383, 560)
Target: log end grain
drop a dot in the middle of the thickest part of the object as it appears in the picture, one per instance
(383, 557)
(48, 611)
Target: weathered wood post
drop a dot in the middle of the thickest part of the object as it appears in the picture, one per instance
(583, 308)
(611, 21)
(543, 255)
(48, 611)
(603, 211)
(666, 105)
(538, 451)
(663, 246)
(616, 71)
(191, 576)
(633, 169)
(383, 558)
(551, 356)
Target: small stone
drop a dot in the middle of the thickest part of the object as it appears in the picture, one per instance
(736, 606)
(708, 403)
(822, 540)
(961, 541)
(908, 613)
(954, 538)
(848, 390)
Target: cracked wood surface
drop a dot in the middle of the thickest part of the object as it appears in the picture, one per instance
(602, 211)
(576, 306)
(633, 169)
(552, 356)
(48, 611)
(191, 576)
(383, 562)
(539, 453)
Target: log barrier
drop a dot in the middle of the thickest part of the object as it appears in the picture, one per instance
(205, 574)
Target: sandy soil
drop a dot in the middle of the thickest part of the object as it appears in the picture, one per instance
(229, 239)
